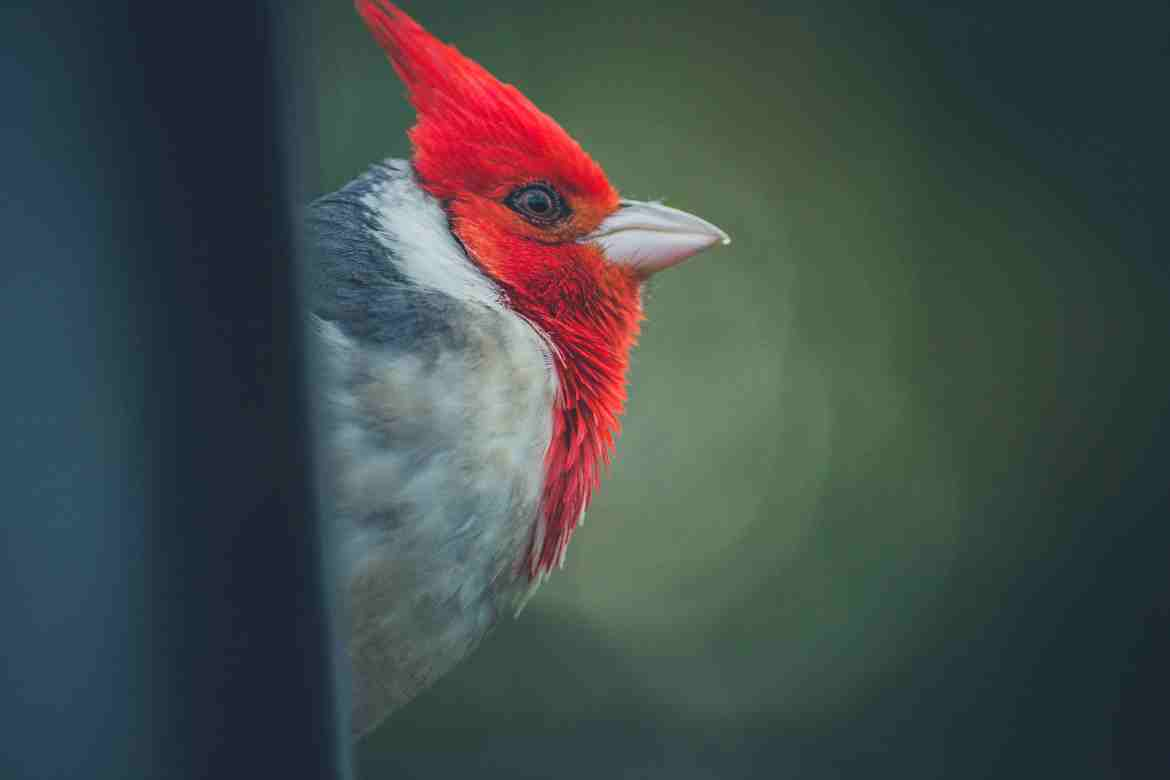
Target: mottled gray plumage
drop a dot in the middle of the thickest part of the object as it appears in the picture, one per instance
(435, 407)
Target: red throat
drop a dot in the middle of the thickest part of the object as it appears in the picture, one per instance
(586, 425)
(589, 311)
(476, 140)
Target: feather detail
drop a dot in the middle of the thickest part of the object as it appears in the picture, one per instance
(475, 133)
(591, 361)
(475, 141)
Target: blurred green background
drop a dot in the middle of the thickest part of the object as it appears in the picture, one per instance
(887, 498)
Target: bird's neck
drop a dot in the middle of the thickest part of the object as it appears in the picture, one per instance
(589, 311)
(590, 339)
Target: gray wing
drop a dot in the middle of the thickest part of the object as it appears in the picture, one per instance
(417, 393)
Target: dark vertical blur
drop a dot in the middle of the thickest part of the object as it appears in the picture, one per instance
(159, 575)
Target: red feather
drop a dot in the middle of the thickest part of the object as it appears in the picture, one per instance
(475, 134)
(476, 140)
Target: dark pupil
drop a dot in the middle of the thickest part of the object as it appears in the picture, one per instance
(538, 202)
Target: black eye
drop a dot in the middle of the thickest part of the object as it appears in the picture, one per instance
(540, 204)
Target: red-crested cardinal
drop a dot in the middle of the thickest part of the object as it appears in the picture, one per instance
(473, 311)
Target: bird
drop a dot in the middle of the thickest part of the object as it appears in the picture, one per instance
(471, 313)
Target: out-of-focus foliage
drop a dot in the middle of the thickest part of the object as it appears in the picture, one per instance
(882, 494)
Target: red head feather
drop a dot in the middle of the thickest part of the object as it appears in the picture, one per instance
(476, 141)
(474, 133)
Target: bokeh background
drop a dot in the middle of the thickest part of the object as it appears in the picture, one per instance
(891, 497)
(887, 501)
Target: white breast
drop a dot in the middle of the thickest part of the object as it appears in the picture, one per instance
(433, 455)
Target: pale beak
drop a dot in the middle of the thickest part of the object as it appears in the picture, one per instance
(649, 236)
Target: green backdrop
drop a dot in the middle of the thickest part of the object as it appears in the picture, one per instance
(885, 500)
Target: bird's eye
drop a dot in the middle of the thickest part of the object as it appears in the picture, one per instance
(540, 204)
